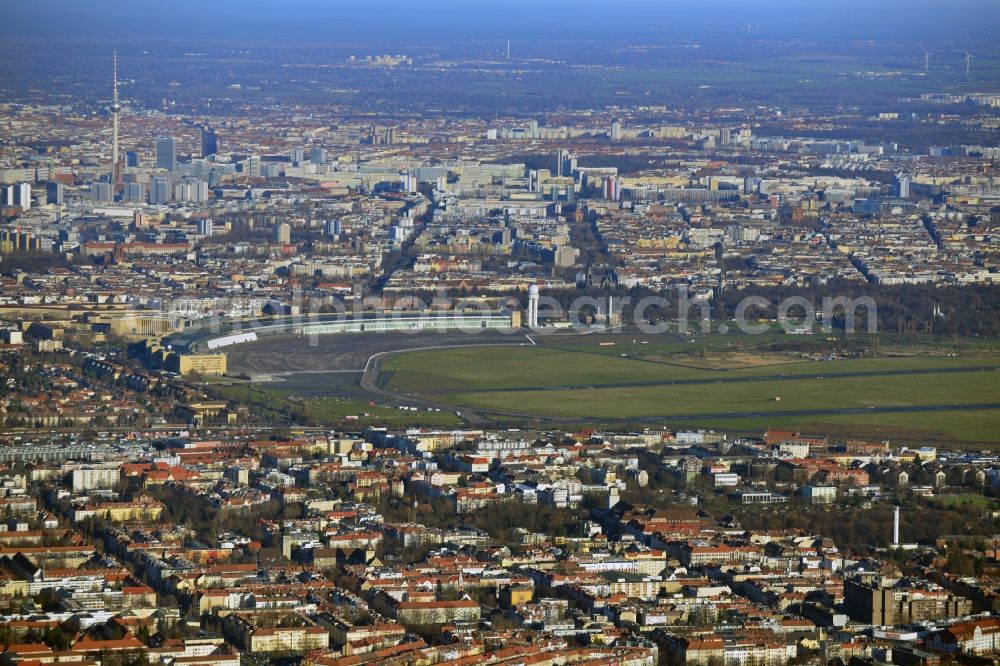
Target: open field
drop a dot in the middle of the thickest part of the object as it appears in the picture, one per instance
(335, 411)
(969, 429)
(347, 412)
(922, 397)
(797, 394)
(553, 368)
(925, 389)
(953, 501)
(775, 339)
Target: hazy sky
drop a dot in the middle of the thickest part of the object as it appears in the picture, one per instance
(432, 20)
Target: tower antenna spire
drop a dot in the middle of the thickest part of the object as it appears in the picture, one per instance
(115, 109)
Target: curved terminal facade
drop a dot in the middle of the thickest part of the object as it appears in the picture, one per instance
(453, 321)
(210, 337)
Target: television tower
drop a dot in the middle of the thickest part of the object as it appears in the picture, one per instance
(115, 108)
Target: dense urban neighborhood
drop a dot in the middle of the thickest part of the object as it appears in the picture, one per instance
(675, 345)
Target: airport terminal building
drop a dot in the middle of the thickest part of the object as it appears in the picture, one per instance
(203, 336)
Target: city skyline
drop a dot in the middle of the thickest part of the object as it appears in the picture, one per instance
(478, 334)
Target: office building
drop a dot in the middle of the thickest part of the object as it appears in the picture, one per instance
(24, 196)
(199, 191)
(17, 195)
(565, 255)
(903, 182)
(565, 163)
(135, 192)
(204, 364)
(317, 155)
(205, 227)
(408, 181)
(182, 192)
(54, 193)
(159, 193)
(611, 189)
(192, 190)
(166, 153)
(102, 192)
(253, 166)
(819, 494)
(333, 228)
(131, 158)
(283, 233)
(616, 130)
(95, 478)
(883, 602)
(209, 142)
(298, 155)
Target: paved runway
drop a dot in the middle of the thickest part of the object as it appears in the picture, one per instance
(344, 352)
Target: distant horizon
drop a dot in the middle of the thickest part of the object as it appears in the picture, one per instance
(317, 21)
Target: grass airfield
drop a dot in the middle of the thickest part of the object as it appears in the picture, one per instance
(924, 389)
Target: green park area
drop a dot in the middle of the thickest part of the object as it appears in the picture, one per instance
(964, 501)
(274, 405)
(722, 382)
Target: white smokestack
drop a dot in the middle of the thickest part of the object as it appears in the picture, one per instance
(895, 527)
